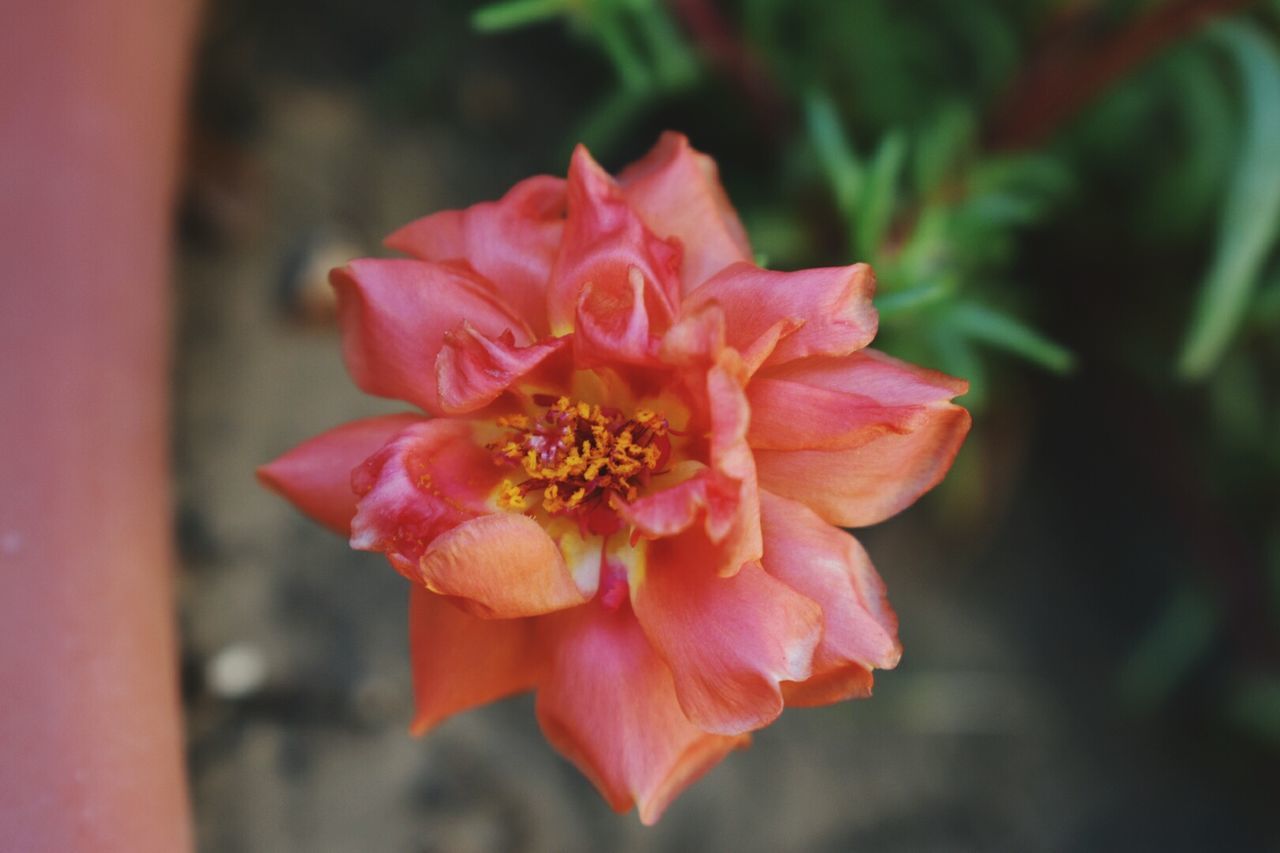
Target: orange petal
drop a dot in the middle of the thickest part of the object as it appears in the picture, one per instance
(614, 284)
(473, 369)
(430, 478)
(828, 687)
(316, 475)
(608, 704)
(730, 641)
(394, 316)
(511, 242)
(866, 485)
(829, 566)
(677, 192)
(502, 565)
(461, 661)
(884, 432)
(829, 310)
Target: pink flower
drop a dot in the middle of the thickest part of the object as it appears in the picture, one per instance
(636, 449)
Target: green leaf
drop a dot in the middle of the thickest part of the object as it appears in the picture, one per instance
(912, 299)
(516, 13)
(834, 151)
(1251, 216)
(940, 148)
(999, 330)
(1188, 189)
(879, 195)
(1178, 639)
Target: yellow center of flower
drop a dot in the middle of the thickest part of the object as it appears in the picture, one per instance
(579, 456)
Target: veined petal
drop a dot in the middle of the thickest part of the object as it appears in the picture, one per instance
(428, 479)
(829, 566)
(829, 309)
(461, 661)
(872, 470)
(699, 337)
(394, 316)
(730, 641)
(677, 192)
(316, 475)
(843, 402)
(502, 566)
(614, 283)
(609, 705)
(511, 242)
(473, 369)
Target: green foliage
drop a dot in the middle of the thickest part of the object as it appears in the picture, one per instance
(648, 53)
(1250, 221)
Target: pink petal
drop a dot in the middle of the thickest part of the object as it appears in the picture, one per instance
(511, 242)
(829, 309)
(723, 493)
(461, 661)
(795, 416)
(614, 283)
(867, 484)
(667, 511)
(730, 641)
(608, 704)
(430, 478)
(829, 566)
(676, 190)
(502, 566)
(394, 316)
(699, 337)
(872, 470)
(316, 475)
(473, 369)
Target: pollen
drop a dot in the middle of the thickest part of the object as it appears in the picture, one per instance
(579, 455)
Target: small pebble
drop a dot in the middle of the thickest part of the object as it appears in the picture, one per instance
(237, 671)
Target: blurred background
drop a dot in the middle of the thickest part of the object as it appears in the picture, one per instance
(1075, 204)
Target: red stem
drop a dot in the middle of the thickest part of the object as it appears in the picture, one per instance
(1069, 71)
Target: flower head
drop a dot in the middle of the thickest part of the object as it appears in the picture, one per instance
(636, 449)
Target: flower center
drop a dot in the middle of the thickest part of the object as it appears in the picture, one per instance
(579, 456)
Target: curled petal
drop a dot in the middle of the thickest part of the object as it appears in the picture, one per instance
(316, 475)
(896, 439)
(867, 484)
(511, 242)
(394, 316)
(430, 478)
(829, 566)
(829, 686)
(828, 311)
(502, 565)
(723, 493)
(730, 641)
(676, 190)
(461, 661)
(614, 283)
(609, 705)
(671, 510)
(473, 369)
